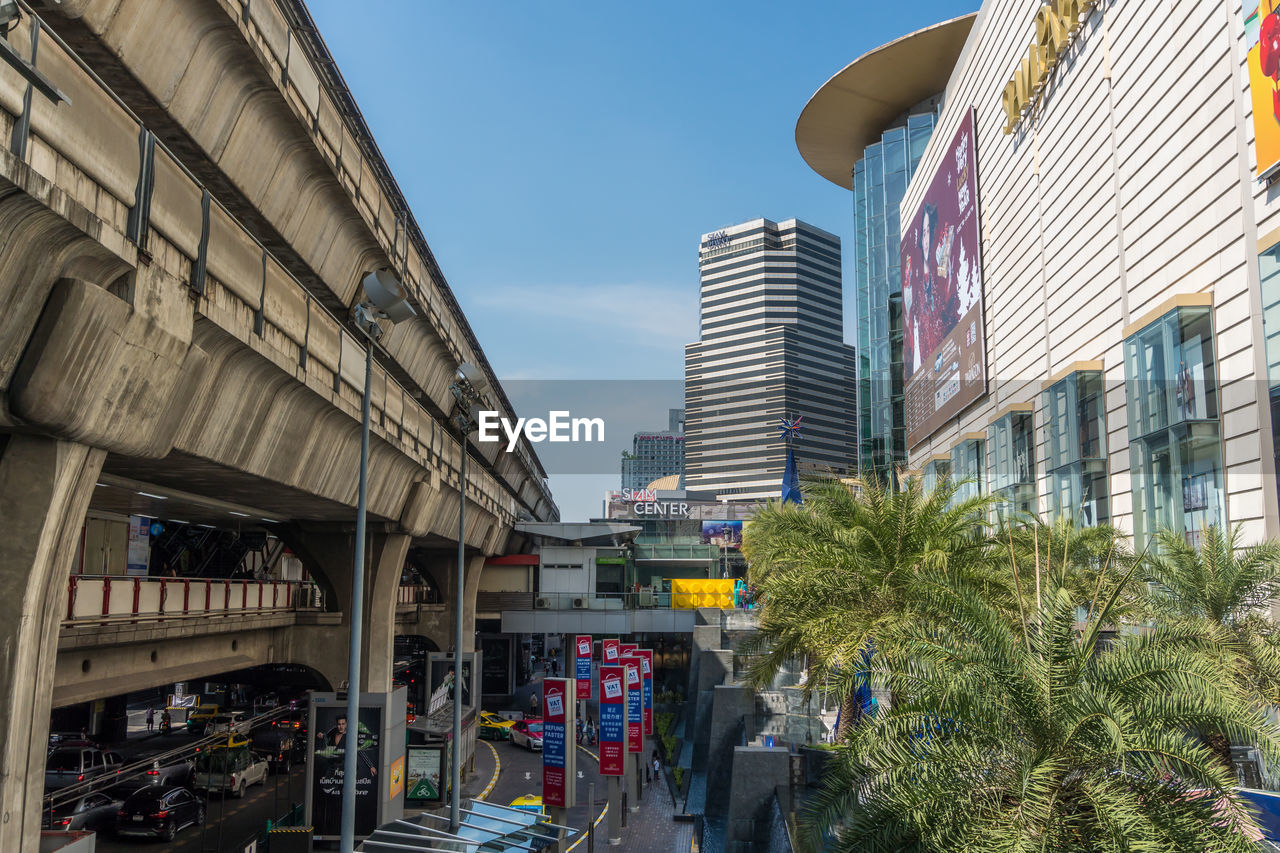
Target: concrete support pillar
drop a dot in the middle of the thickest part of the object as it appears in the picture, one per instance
(45, 487)
(328, 552)
(474, 567)
(614, 819)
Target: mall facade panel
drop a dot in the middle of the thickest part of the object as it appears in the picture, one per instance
(1090, 265)
(771, 346)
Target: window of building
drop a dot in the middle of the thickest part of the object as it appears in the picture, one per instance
(1011, 440)
(969, 467)
(936, 470)
(1075, 419)
(1269, 270)
(1174, 438)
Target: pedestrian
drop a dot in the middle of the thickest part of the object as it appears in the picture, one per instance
(657, 766)
(151, 719)
(533, 704)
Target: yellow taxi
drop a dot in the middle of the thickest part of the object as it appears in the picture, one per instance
(529, 803)
(493, 727)
(199, 718)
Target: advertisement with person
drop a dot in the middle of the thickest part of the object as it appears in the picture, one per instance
(1262, 43)
(944, 338)
(613, 720)
(582, 646)
(722, 534)
(333, 734)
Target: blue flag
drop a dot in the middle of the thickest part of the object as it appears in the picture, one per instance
(791, 480)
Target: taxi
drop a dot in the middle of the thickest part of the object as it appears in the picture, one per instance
(493, 727)
(529, 803)
(198, 719)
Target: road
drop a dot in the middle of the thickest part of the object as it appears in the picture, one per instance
(522, 774)
(239, 820)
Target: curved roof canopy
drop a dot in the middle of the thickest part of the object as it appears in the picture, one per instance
(851, 109)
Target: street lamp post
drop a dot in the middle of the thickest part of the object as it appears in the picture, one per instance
(384, 300)
(468, 388)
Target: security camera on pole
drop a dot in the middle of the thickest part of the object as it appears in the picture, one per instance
(385, 300)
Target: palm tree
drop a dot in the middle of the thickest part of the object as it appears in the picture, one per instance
(1226, 586)
(1034, 735)
(835, 572)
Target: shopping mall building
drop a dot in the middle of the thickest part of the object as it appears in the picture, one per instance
(1067, 253)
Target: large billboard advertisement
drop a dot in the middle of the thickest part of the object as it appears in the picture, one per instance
(723, 534)
(1262, 41)
(333, 733)
(944, 341)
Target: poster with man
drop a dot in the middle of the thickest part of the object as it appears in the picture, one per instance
(944, 338)
(334, 735)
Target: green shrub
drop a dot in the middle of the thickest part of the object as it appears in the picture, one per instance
(662, 723)
(678, 774)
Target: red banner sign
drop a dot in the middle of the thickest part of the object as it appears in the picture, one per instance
(627, 648)
(609, 652)
(646, 686)
(635, 703)
(582, 670)
(613, 719)
(556, 711)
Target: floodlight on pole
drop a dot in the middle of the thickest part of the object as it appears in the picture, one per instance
(385, 300)
(469, 388)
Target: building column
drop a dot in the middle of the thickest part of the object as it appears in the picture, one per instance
(45, 487)
(328, 553)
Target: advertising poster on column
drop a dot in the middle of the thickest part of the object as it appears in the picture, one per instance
(582, 658)
(613, 720)
(944, 340)
(609, 652)
(1262, 43)
(646, 687)
(557, 760)
(635, 704)
(333, 734)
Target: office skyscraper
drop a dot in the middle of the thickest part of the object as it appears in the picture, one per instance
(655, 454)
(771, 345)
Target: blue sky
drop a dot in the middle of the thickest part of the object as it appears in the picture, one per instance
(563, 158)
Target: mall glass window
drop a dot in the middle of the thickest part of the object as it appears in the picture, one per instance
(1174, 438)
(935, 471)
(1011, 440)
(1269, 269)
(969, 468)
(1075, 422)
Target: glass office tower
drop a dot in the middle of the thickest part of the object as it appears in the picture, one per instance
(879, 182)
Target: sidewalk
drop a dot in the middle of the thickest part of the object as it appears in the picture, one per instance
(653, 828)
(478, 782)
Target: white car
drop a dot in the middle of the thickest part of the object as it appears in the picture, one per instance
(231, 721)
(229, 771)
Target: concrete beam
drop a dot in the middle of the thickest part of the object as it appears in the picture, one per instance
(45, 487)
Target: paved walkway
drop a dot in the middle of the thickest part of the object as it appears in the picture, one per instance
(653, 828)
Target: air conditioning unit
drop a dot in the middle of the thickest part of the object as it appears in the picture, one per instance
(542, 603)
(581, 603)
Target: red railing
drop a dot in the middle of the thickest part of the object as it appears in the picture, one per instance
(108, 598)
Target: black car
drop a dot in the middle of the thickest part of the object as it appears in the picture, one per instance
(92, 811)
(280, 747)
(159, 811)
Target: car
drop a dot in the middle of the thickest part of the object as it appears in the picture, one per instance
(92, 811)
(159, 811)
(68, 765)
(231, 721)
(493, 727)
(229, 770)
(527, 733)
(176, 772)
(529, 803)
(280, 747)
(199, 718)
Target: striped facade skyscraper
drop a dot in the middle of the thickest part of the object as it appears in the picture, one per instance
(772, 344)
